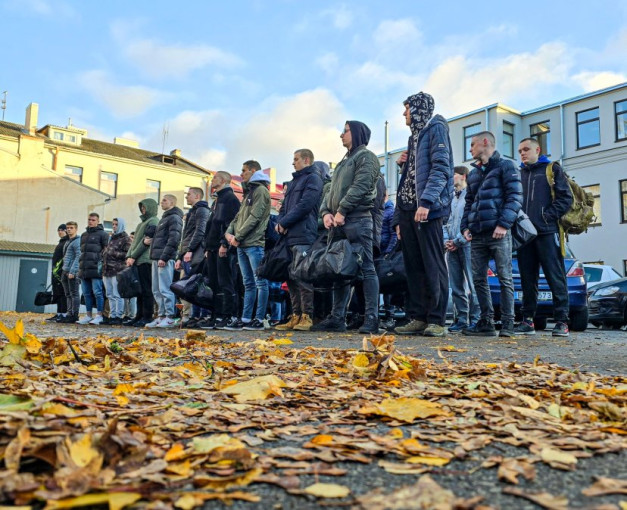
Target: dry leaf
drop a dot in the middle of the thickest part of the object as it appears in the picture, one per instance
(543, 499)
(258, 388)
(115, 500)
(327, 490)
(405, 409)
(558, 458)
(604, 486)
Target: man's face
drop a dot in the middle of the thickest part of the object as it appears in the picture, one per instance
(477, 146)
(142, 209)
(529, 152)
(247, 173)
(71, 230)
(216, 182)
(407, 115)
(299, 163)
(92, 221)
(347, 139)
(458, 180)
(61, 232)
(191, 198)
(115, 226)
(166, 204)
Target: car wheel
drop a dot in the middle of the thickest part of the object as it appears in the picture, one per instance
(539, 323)
(579, 320)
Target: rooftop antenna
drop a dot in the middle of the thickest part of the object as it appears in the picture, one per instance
(69, 122)
(4, 103)
(165, 137)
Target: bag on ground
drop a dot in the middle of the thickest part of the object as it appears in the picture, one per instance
(195, 290)
(128, 282)
(391, 271)
(276, 262)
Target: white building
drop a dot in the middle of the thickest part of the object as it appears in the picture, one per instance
(587, 134)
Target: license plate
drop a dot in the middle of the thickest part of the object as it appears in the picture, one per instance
(542, 296)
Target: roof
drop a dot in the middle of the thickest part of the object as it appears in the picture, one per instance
(10, 129)
(20, 247)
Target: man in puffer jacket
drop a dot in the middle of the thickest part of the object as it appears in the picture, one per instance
(93, 242)
(493, 199)
(114, 261)
(69, 278)
(163, 251)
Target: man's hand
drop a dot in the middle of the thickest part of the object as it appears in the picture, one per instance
(130, 261)
(499, 232)
(328, 221)
(161, 263)
(398, 232)
(177, 265)
(187, 257)
(147, 241)
(402, 158)
(421, 214)
(450, 246)
(222, 251)
(467, 235)
(339, 219)
(70, 276)
(228, 237)
(280, 229)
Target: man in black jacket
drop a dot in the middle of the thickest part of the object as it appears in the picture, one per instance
(93, 242)
(221, 264)
(544, 206)
(58, 295)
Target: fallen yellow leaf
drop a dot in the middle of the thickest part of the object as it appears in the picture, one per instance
(258, 388)
(82, 452)
(429, 461)
(327, 490)
(115, 500)
(405, 409)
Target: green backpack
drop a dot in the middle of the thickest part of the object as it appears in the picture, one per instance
(581, 213)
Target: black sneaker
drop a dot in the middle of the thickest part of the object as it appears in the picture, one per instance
(234, 325)
(128, 322)
(370, 325)
(330, 324)
(356, 321)
(526, 327)
(192, 322)
(53, 318)
(560, 329)
(60, 318)
(507, 329)
(484, 327)
(68, 319)
(254, 325)
(221, 323)
(206, 323)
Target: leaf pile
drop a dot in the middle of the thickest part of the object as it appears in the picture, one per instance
(180, 422)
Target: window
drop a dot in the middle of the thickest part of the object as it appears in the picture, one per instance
(623, 201)
(469, 132)
(588, 128)
(541, 132)
(108, 226)
(620, 108)
(508, 139)
(153, 190)
(109, 183)
(57, 135)
(71, 138)
(595, 189)
(74, 172)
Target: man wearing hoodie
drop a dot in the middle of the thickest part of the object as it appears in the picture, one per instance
(348, 204)
(247, 232)
(113, 262)
(93, 242)
(423, 203)
(544, 207)
(163, 251)
(139, 255)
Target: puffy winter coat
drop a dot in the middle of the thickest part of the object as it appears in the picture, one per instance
(71, 255)
(224, 208)
(93, 242)
(168, 234)
(250, 223)
(388, 234)
(195, 228)
(138, 250)
(57, 259)
(114, 255)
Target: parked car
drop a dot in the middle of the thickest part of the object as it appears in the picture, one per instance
(599, 273)
(608, 304)
(576, 281)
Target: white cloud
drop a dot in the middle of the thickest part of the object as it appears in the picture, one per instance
(329, 62)
(396, 33)
(341, 17)
(591, 80)
(43, 7)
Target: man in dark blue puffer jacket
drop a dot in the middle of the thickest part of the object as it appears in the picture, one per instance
(493, 200)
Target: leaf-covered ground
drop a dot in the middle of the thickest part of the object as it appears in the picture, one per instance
(185, 422)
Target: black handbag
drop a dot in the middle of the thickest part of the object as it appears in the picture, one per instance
(391, 271)
(195, 290)
(129, 285)
(523, 231)
(276, 262)
(44, 297)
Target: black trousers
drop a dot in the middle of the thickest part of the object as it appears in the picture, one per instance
(58, 293)
(222, 273)
(543, 251)
(145, 301)
(427, 276)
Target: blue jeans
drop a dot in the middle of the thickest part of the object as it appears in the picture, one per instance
(92, 287)
(255, 288)
(460, 277)
(116, 303)
(483, 248)
(161, 281)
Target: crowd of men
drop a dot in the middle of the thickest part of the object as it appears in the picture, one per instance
(449, 221)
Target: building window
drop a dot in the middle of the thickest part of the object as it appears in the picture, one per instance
(541, 133)
(74, 172)
(469, 132)
(595, 189)
(623, 201)
(109, 183)
(153, 190)
(508, 139)
(621, 119)
(71, 138)
(588, 128)
(57, 136)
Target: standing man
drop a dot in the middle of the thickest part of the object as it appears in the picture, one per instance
(247, 232)
(544, 205)
(298, 222)
(493, 199)
(348, 204)
(163, 251)
(113, 262)
(69, 278)
(93, 242)
(222, 258)
(423, 202)
(58, 294)
(458, 257)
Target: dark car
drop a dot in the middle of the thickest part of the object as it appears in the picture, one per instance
(577, 298)
(608, 304)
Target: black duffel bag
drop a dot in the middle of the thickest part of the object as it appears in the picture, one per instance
(128, 282)
(391, 271)
(195, 290)
(523, 231)
(276, 262)
(44, 297)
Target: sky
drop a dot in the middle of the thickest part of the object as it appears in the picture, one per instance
(236, 80)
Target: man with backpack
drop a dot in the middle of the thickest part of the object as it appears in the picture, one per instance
(546, 198)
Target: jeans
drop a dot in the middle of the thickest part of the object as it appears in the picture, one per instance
(543, 251)
(483, 248)
(161, 281)
(460, 278)
(70, 287)
(116, 303)
(254, 287)
(358, 230)
(92, 287)
(130, 307)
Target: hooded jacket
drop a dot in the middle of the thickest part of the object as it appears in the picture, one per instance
(57, 259)
(299, 211)
(493, 196)
(452, 230)
(114, 255)
(138, 250)
(195, 227)
(353, 185)
(544, 211)
(224, 208)
(168, 234)
(250, 223)
(93, 242)
(388, 235)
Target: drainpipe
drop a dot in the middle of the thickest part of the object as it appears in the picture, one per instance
(562, 135)
(487, 118)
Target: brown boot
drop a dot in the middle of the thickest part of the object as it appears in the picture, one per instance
(304, 324)
(294, 319)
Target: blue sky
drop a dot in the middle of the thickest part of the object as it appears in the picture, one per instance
(258, 79)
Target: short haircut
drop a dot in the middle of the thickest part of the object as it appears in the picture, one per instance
(252, 165)
(71, 223)
(532, 141)
(225, 176)
(488, 136)
(171, 198)
(93, 214)
(197, 191)
(305, 154)
(461, 170)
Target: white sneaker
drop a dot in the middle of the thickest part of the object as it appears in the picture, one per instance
(167, 322)
(96, 320)
(155, 324)
(85, 320)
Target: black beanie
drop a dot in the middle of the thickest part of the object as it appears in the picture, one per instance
(62, 227)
